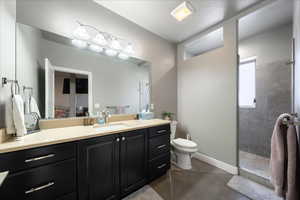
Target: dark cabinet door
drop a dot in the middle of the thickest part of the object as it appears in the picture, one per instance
(47, 182)
(133, 160)
(98, 168)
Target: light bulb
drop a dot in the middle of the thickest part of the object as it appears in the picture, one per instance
(129, 49)
(100, 39)
(79, 43)
(115, 44)
(123, 56)
(95, 48)
(81, 33)
(111, 52)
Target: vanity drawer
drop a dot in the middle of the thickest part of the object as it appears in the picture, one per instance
(71, 196)
(25, 159)
(159, 166)
(159, 146)
(47, 182)
(159, 130)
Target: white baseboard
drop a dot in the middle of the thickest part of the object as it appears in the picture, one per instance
(217, 163)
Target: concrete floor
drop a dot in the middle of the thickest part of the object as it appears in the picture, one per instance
(255, 164)
(203, 182)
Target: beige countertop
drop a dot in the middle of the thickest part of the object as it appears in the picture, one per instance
(68, 134)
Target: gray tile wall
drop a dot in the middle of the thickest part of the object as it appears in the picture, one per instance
(272, 49)
(273, 87)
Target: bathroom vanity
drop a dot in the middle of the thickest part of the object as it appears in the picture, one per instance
(72, 82)
(87, 164)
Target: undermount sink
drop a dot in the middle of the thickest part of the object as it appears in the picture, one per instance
(110, 127)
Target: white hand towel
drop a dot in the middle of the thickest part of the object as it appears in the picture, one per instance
(27, 104)
(18, 115)
(34, 107)
(9, 117)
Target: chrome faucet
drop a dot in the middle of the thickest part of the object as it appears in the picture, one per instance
(106, 115)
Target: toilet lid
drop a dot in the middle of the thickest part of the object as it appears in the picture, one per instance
(184, 143)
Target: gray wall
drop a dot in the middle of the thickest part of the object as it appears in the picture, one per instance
(207, 98)
(7, 52)
(29, 62)
(60, 17)
(273, 88)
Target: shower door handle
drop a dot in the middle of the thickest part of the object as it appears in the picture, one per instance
(292, 62)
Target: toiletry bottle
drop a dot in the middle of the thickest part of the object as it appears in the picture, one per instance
(101, 119)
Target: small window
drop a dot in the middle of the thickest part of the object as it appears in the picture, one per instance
(208, 42)
(247, 83)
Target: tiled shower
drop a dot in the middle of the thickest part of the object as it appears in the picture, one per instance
(272, 50)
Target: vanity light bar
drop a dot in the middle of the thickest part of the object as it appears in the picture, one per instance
(79, 43)
(99, 41)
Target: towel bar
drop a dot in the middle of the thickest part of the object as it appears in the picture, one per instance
(6, 81)
(294, 122)
(28, 88)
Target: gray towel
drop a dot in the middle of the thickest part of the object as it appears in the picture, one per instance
(284, 161)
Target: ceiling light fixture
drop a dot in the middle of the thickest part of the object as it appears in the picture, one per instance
(81, 33)
(115, 44)
(123, 56)
(95, 48)
(129, 49)
(182, 11)
(79, 43)
(111, 52)
(98, 41)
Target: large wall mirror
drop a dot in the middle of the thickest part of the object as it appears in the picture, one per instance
(67, 81)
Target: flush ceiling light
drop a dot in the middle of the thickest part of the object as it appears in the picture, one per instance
(79, 43)
(95, 48)
(81, 33)
(182, 11)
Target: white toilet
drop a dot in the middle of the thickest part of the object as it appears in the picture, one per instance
(182, 149)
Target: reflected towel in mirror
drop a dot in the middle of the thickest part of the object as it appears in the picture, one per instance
(18, 115)
(34, 107)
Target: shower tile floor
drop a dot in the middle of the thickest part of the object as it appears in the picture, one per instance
(255, 164)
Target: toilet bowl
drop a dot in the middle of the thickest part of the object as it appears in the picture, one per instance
(182, 149)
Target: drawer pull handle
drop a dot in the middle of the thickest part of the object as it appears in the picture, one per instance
(39, 188)
(161, 146)
(162, 166)
(39, 158)
(161, 131)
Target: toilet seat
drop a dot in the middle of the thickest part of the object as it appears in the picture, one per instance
(184, 143)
